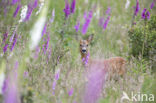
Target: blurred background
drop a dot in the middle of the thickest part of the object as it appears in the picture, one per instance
(40, 60)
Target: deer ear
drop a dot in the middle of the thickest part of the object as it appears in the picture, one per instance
(90, 38)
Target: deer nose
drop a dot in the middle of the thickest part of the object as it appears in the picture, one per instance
(84, 50)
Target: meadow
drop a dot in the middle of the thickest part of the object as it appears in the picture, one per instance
(40, 60)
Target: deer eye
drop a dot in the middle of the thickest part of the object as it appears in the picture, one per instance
(87, 44)
(80, 45)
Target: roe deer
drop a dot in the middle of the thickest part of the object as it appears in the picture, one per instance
(113, 66)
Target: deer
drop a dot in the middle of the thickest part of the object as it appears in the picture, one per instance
(114, 66)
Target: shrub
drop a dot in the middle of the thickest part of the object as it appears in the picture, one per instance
(142, 39)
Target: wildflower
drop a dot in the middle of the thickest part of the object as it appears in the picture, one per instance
(11, 92)
(137, 8)
(14, 42)
(5, 36)
(101, 21)
(44, 29)
(15, 1)
(108, 10)
(77, 26)
(5, 84)
(25, 74)
(94, 86)
(127, 4)
(53, 16)
(106, 23)
(152, 4)
(70, 92)
(54, 85)
(5, 48)
(40, 8)
(45, 46)
(86, 59)
(57, 75)
(35, 3)
(23, 13)
(73, 4)
(87, 22)
(17, 10)
(29, 12)
(67, 9)
(145, 14)
(36, 32)
(37, 52)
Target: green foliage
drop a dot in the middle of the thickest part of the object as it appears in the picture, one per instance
(142, 38)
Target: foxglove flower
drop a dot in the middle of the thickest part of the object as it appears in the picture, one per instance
(35, 3)
(85, 60)
(127, 4)
(137, 8)
(5, 36)
(17, 10)
(11, 94)
(106, 23)
(5, 48)
(96, 80)
(23, 13)
(77, 26)
(73, 4)
(57, 75)
(152, 4)
(14, 43)
(29, 12)
(70, 92)
(87, 22)
(25, 74)
(44, 29)
(145, 14)
(52, 16)
(40, 8)
(36, 32)
(15, 1)
(37, 52)
(101, 21)
(46, 45)
(67, 9)
(108, 10)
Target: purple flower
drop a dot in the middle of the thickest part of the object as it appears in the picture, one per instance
(152, 4)
(67, 9)
(54, 85)
(87, 22)
(101, 21)
(106, 23)
(35, 3)
(5, 35)
(11, 92)
(145, 14)
(37, 52)
(77, 26)
(14, 42)
(46, 45)
(29, 12)
(137, 8)
(57, 75)
(17, 10)
(85, 60)
(73, 4)
(5, 85)
(44, 29)
(108, 10)
(5, 48)
(14, 1)
(70, 92)
(52, 16)
(96, 79)
(25, 74)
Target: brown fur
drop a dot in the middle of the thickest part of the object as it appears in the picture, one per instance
(114, 65)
